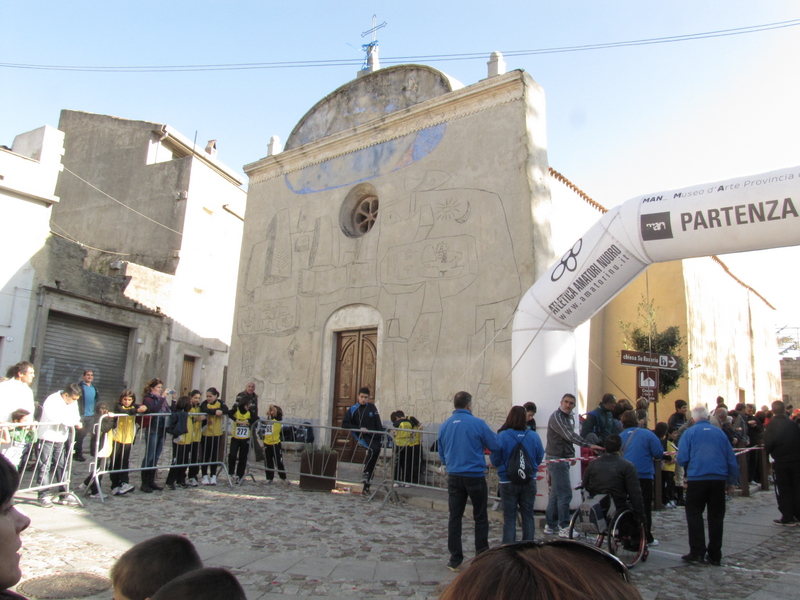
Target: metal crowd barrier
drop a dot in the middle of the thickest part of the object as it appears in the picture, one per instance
(42, 453)
(151, 450)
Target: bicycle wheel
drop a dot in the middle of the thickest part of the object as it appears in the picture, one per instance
(578, 531)
(626, 539)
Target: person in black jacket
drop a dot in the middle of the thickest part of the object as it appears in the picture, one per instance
(364, 418)
(782, 442)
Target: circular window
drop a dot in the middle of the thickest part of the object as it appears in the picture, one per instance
(359, 210)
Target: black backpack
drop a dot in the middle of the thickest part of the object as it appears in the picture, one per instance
(520, 468)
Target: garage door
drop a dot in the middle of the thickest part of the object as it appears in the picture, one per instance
(72, 344)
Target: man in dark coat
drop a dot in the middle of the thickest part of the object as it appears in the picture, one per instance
(782, 442)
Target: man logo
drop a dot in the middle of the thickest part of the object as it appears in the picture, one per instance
(656, 226)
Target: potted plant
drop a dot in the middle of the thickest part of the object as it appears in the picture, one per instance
(318, 468)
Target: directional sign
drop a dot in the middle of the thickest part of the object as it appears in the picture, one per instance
(647, 383)
(649, 359)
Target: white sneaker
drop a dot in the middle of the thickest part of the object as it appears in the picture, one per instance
(192, 482)
(563, 532)
(205, 481)
(235, 479)
(406, 485)
(125, 488)
(653, 543)
(81, 487)
(96, 496)
(213, 480)
(550, 530)
(115, 491)
(396, 485)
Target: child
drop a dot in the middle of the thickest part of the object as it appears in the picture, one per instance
(209, 583)
(124, 434)
(407, 446)
(196, 425)
(103, 451)
(273, 452)
(668, 467)
(18, 438)
(150, 564)
(243, 418)
(182, 435)
(677, 470)
(215, 410)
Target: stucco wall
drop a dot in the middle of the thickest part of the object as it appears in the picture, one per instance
(454, 246)
(790, 377)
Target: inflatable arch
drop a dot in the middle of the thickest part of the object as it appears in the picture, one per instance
(737, 215)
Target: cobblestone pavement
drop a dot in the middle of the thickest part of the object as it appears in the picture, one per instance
(279, 540)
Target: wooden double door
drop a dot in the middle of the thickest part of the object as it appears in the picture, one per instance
(356, 367)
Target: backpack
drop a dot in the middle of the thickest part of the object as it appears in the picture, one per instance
(593, 520)
(520, 468)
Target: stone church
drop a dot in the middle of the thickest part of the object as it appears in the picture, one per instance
(388, 245)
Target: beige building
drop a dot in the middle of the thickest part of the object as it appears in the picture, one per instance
(391, 241)
(790, 376)
(137, 278)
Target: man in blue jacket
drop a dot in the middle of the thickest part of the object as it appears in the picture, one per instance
(462, 440)
(709, 461)
(363, 418)
(641, 447)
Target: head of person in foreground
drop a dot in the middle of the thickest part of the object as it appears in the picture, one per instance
(12, 523)
(210, 583)
(553, 570)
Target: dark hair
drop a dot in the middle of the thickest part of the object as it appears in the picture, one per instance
(517, 419)
(618, 409)
(184, 403)
(778, 408)
(99, 407)
(630, 419)
(612, 443)
(73, 389)
(18, 369)
(195, 393)
(642, 404)
(608, 399)
(720, 400)
(462, 399)
(85, 371)
(18, 414)
(569, 396)
(740, 406)
(9, 480)
(625, 403)
(540, 572)
(672, 429)
(661, 430)
(213, 391)
(530, 407)
(209, 583)
(151, 384)
(680, 404)
(363, 390)
(130, 393)
(150, 564)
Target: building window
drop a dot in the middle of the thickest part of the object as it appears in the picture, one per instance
(359, 211)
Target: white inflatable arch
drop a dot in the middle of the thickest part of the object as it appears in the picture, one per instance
(737, 215)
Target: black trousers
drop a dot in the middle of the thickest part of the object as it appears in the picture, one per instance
(238, 450)
(647, 498)
(120, 459)
(704, 495)
(273, 456)
(787, 480)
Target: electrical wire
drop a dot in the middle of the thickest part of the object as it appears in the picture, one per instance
(406, 59)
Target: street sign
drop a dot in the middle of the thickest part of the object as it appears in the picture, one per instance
(647, 383)
(649, 359)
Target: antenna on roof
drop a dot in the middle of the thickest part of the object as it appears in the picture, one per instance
(371, 62)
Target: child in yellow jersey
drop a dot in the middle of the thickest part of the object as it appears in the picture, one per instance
(243, 418)
(123, 436)
(273, 452)
(215, 411)
(196, 427)
(182, 439)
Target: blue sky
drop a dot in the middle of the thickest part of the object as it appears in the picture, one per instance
(620, 121)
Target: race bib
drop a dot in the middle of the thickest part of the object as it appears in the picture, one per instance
(242, 431)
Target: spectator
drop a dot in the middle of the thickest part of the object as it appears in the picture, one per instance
(210, 583)
(708, 458)
(543, 571)
(755, 435)
(678, 418)
(149, 565)
(156, 431)
(363, 418)
(611, 474)
(462, 441)
(561, 442)
(530, 410)
(86, 403)
(517, 497)
(600, 421)
(782, 443)
(641, 447)
(16, 391)
(59, 413)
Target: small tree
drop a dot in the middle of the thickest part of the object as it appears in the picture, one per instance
(643, 336)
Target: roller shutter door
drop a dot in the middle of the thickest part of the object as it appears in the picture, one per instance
(72, 344)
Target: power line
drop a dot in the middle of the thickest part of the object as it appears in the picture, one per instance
(406, 59)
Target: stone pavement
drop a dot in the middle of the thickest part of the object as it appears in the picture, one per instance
(279, 540)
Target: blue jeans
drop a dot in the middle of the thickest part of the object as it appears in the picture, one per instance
(522, 496)
(52, 464)
(459, 488)
(557, 513)
(155, 444)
